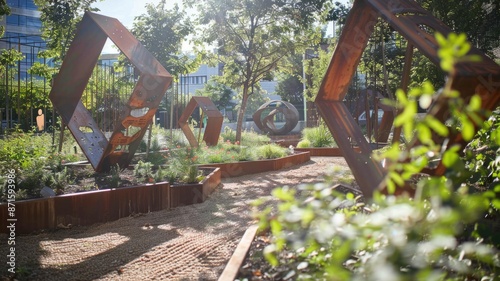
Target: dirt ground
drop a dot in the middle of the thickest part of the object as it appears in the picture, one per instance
(188, 243)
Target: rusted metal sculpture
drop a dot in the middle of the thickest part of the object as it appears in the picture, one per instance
(74, 75)
(214, 121)
(417, 26)
(267, 125)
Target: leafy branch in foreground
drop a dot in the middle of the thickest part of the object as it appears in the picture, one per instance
(446, 232)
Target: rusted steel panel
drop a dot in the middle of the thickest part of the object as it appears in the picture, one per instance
(186, 194)
(31, 215)
(353, 40)
(77, 68)
(385, 126)
(418, 27)
(94, 141)
(236, 169)
(88, 208)
(368, 172)
(73, 77)
(211, 182)
(414, 23)
(214, 121)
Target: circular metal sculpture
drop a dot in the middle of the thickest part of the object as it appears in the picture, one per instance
(267, 125)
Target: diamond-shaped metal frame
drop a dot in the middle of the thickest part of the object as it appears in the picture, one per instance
(412, 22)
(76, 70)
(214, 121)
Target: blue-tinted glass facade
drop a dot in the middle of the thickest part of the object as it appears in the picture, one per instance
(22, 32)
(23, 4)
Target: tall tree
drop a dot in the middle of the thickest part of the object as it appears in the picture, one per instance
(253, 37)
(162, 31)
(59, 20)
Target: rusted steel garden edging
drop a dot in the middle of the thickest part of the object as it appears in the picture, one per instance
(237, 169)
(324, 151)
(86, 208)
(189, 194)
(233, 266)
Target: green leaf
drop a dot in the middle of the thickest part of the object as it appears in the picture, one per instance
(495, 136)
(428, 88)
(475, 103)
(396, 177)
(441, 40)
(401, 95)
(468, 129)
(436, 125)
(391, 187)
(496, 203)
(284, 195)
(450, 157)
(424, 133)
(393, 152)
(270, 255)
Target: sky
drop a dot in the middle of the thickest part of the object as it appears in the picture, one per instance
(126, 10)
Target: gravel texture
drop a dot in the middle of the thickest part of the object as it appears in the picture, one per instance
(188, 243)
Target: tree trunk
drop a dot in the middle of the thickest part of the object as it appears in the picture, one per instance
(241, 113)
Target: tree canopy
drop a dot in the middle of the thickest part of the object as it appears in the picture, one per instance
(60, 19)
(162, 32)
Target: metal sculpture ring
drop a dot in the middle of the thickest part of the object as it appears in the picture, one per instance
(276, 107)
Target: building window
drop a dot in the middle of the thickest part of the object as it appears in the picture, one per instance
(193, 80)
(24, 4)
(19, 20)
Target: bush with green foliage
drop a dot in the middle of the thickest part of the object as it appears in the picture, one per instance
(319, 136)
(33, 158)
(447, 231)
(248, 138)
(271, 151)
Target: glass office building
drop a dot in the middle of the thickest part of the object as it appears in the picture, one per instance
(22, 32)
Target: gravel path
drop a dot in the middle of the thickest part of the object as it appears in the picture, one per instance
(188, 243)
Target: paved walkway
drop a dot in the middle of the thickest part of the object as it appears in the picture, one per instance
(188, 243)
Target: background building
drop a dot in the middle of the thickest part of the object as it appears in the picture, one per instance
(23, 33)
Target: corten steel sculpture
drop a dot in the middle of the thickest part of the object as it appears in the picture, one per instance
(414, 23)
(74, 75)
(214, 121)
(267, 125)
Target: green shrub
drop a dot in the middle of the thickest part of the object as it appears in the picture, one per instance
(33, 158)
(246, 154)
(305, 143)
(271, 151)
(318, 136)
(143, 171)
(248, 138)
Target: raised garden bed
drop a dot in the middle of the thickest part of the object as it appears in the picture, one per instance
(236, 169)
(323, 151)
(188, 194)
(86, 208)
(99, 206)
